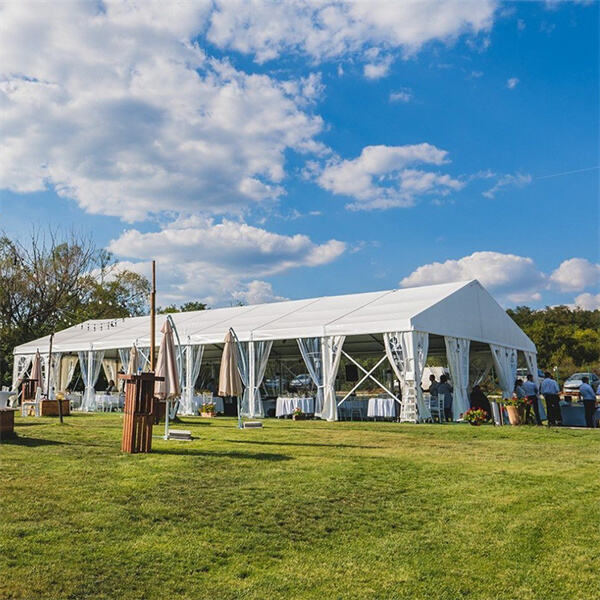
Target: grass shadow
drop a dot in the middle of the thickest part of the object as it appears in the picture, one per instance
(30, 442)
(231, 454)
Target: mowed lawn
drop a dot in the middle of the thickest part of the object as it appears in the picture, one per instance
(300, 510)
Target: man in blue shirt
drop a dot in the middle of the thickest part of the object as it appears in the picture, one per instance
(587, 394)
(549, 388)
(531, 392)
(446, 390)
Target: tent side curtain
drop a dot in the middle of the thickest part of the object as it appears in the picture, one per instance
(331, 353)
(111, 368)
(90, 364)
(192, 362)
(67, 370)
(457, 355)
(20, 368)
(252, 358)
(310, 349)
(407, 354)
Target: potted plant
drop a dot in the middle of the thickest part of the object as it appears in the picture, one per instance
(207, 410)
(515, 407)
(297, 414)
(475, 416)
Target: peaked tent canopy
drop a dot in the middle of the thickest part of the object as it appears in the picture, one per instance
(464, 309)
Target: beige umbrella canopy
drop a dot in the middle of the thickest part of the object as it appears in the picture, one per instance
(166, 366)
(230, 383)
(36, 369)
(133, 361)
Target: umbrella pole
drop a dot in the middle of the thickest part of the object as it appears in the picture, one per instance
(239, 405)
(167, 410)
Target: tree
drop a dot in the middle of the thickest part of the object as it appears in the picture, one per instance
(185, 307)
(51, 283)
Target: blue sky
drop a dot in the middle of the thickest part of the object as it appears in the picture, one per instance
(260, 153)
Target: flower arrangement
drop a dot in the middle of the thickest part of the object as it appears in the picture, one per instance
(208, 409)
(475, 416)
(516, 401)
(297, 413)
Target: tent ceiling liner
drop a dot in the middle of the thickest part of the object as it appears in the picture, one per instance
(463, 309)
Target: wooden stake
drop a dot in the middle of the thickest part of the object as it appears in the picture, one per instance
(153, 316)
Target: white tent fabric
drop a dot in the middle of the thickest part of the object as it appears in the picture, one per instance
(331, 349)
(463, 309)
(532, 367)
(252, 363)
(310, 349)
(90, 363)
(505, 363)
(457, 354)
(192, 362)
(407, 353)
(20, 367)
(67, 370)
(111, 368)
(54, 372)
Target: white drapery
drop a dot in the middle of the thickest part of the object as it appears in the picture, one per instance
(331, 354)
(67, 370)
(90, 364)
(532, 367)
(505, 363)
(192, 362)
(252, 364)
(111, 368)
(20, 368)
(310, 349)
(407, 353)
(457, 353)
(54, 373)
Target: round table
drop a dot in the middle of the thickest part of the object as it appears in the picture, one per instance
(382, 407)
(285, 405)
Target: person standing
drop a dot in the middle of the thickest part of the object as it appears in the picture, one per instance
(445, 388)
(550, 390)
(531, 392)
(433, 386)
(587, 394)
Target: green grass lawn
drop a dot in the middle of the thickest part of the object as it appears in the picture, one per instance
(300, 510)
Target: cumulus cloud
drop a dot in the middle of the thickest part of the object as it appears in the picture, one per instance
(588, 301)
(116, 107)
(513, 278)
(200, 258)
(333, 28)
(575, 275)
(512, 83)
(384, 176)
(518, 180)
(257, 292)
(402, 95)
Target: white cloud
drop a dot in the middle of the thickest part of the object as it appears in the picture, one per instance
(379, 65)
(333, 28)
(513, 278)
(512, 83)
(257, 292)
(115, 107)
(575, 275)
(402, 95)
(380, 177)
(588, 301)
(518, 180)
(199, 258)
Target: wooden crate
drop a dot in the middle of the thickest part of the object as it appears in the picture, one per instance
(138, 414)
(7, 422)
(49, 408)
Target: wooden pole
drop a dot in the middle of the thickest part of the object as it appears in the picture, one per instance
(48, 374)
(153, 316)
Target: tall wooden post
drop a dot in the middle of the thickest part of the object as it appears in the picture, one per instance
(153, 317)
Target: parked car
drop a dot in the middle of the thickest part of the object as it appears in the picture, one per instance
(572, 383)
(301, 381)
(522, 374)
(275, 385)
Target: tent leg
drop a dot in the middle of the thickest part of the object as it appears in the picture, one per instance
(239, 406)
(167, 410)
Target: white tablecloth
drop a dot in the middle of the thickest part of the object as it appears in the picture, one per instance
(347, 407)
(108, 402)
(382, 407)
(286, 405)
(198, 401)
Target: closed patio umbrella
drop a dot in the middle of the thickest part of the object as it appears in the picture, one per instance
(36, 370)
(133, 361)
(230, 383)
(166, 367)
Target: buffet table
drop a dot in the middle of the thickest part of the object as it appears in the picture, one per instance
(285, 405)
(382, 407)
(573, 414)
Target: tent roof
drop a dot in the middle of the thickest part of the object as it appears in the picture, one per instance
(463, 309)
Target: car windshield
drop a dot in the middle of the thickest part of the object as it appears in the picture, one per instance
(578, 376)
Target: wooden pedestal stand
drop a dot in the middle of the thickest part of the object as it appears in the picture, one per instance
(139, 412)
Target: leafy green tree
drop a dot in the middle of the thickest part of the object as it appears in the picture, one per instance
(185, 307)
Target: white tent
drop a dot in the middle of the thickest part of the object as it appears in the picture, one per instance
(406, 324)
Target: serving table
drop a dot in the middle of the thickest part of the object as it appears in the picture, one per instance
(382, 407)
(285, 405)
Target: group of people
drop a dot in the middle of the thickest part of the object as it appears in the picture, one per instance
(528, 390)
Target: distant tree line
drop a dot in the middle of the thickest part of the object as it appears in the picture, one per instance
(566, 338)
